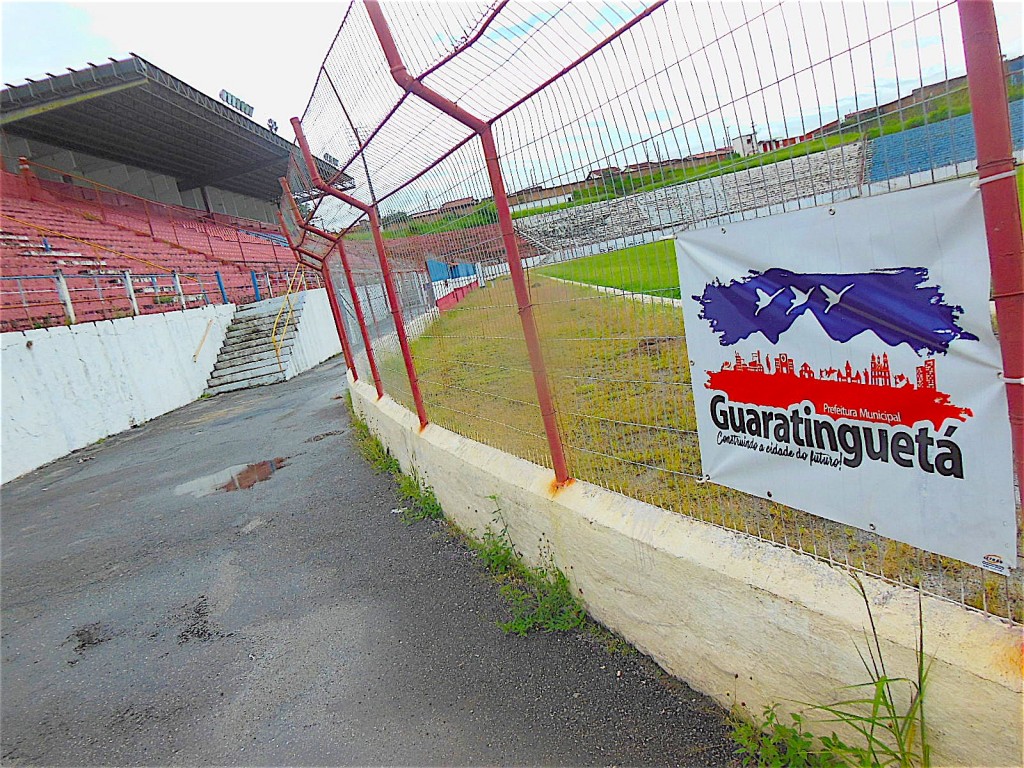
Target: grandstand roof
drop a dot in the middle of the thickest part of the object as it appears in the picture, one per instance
(133, 112)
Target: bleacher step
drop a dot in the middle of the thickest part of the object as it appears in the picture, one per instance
(259, 381)
(247, 357)
(257, 357)
(252, 327)
(269, 368)
(240, 345)
(247, 365)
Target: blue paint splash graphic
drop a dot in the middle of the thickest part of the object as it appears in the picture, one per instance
(894, 304)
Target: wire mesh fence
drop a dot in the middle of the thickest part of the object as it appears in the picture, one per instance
(617, 127)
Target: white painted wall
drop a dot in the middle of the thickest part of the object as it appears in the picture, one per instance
(444, 287)
(748, 623)
(316, 338)
(66, 387)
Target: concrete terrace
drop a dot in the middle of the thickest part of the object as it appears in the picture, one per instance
(148, 619)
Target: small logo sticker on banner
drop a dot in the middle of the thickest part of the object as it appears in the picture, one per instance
(994, 563)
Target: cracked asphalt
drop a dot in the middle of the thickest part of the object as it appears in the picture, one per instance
(148, 618)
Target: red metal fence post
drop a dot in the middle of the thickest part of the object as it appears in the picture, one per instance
(515, 264)
(357, 305)
(332, 299)
(986, 81)
(385, 266)
(522, 291)
(339, 320)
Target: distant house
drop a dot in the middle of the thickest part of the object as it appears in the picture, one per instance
(748, 144)
(462, 205)
(604, 174)
(771, 145)
(425, 217)
(745, 144)
(639, 169)
(538, 196)
(722, 153)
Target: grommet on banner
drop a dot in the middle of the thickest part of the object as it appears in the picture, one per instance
(1007, 174)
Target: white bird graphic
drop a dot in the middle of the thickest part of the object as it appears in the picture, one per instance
(832, 298)
(799, 298)
(764, 299)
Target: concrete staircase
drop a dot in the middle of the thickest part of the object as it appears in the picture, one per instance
(247, 358)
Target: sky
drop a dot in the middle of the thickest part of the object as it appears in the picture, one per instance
(266, 54)
(673, 86)
(681, 82)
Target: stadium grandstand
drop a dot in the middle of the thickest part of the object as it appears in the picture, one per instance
(127, 191)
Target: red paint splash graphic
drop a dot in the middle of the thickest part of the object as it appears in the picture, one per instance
(868, 394)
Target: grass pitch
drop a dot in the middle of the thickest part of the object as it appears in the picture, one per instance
(649, 269)
(620, 375)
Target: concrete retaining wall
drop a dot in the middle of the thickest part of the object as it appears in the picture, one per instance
(737, 618)
(66, 387)
(316, 337)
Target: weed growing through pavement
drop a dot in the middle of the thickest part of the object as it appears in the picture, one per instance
(622, 369)
(423, 505)
(540, 597)
(886, 712)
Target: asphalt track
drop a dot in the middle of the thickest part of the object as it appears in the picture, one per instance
(148, 618)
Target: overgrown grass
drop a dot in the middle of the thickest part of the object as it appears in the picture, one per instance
(711, 170)
(484, 213)
(649, 268)
(885, 718)
(620, 374)
(422, 503)
(629, 185)
(540, 598)
(593, 198)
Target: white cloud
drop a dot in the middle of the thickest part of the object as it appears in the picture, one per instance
(670, 87)
(266, 54)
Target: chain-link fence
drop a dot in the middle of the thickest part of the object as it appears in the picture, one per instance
(520, 172)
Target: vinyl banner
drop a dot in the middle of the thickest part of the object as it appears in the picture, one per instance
(844, 363)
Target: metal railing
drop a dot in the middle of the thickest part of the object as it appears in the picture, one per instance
(44, 300)
(296, 283)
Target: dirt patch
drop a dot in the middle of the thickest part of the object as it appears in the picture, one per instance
(322, 435)
(195, 616)
(89, 636)
(652, 345)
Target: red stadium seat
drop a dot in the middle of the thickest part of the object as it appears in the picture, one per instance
(94, 236)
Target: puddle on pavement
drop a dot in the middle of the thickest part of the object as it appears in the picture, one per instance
(237, 478)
